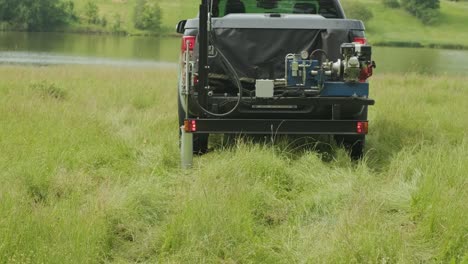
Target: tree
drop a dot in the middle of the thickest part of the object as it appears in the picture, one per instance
(7, 9)
(65, 12)
(152, 16)
(104, 21)
(43, 15)
(426, 10)
(92, 12)
(358, 10)
(147, 15)
(391, 3)
(138, 14)
(117, 24)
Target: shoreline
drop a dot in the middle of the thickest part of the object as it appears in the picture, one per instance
(165, 33)
(404, 44)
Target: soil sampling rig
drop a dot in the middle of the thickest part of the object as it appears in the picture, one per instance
(272, 67)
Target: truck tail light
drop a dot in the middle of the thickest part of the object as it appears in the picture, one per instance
(190, 41)
(190, 126)
(186, 50)
(360, 40)
(362, 127)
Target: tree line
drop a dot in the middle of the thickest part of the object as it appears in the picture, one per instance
(147, 15)
(46, 15)
(425, 10)
(37, 15)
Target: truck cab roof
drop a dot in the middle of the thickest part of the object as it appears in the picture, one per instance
(325, 8)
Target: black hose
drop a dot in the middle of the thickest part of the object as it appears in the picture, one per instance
(319, 51)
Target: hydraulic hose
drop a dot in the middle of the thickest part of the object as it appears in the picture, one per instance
(319, 51)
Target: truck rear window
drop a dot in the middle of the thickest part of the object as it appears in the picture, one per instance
(325, 8)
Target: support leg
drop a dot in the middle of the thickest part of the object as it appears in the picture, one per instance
(186, 149)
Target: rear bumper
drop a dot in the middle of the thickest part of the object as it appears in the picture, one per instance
(286, 107)
(277, 126)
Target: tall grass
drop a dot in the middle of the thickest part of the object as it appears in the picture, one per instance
(89, 173)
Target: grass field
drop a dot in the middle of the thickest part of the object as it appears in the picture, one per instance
(89, 174)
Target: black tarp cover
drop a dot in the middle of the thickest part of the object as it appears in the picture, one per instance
(260, 53)
(257, 44)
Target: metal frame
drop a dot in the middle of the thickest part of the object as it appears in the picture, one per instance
(302, 106)
(317, 100)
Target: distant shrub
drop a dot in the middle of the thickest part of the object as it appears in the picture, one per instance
(408, 44)
(92, 12)
(104, 21)
(49, 90)
(391, 3)
(447, 46)
(358, 10)
(147, 15)
(429, 16)
(117, 24)
(426, 10)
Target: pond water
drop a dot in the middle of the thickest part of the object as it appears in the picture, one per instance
(62, 48)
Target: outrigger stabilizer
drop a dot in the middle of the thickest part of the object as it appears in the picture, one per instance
(186, 137)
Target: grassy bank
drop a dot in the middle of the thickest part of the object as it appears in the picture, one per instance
(89, 174)
(396, 27)
(389, 27)
(172, 12)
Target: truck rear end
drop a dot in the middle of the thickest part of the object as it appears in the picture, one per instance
(274, 67)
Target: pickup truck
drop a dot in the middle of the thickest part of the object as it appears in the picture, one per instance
(271, 67)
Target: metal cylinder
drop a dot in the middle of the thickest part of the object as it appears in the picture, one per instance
(186, 149)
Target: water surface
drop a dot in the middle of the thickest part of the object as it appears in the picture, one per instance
(63, 48)
(421, 60)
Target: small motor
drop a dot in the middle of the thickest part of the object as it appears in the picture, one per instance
(357, 64)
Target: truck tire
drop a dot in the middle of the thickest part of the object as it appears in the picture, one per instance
(354, 144)
(200, 141)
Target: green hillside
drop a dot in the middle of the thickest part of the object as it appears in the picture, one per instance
(397, 25)
(172, 11)
(387, 27)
